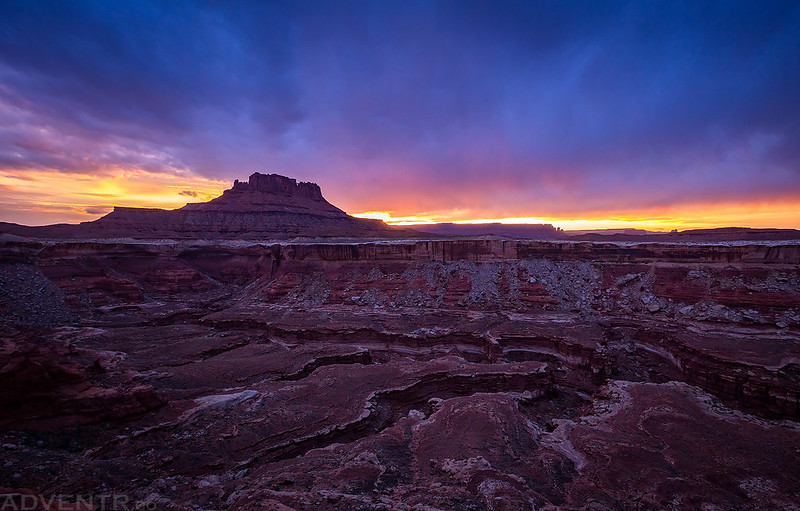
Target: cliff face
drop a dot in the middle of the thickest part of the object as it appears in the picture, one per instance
(275, 184)
(267, 206)
(271, 193)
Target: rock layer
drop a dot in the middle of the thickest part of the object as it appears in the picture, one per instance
(460, 374)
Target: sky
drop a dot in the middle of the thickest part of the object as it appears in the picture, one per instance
(582, 114)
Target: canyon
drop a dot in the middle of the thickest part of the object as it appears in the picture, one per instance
(396, 372)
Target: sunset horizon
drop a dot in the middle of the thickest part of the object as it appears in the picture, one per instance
(131, 189)
(603, 115)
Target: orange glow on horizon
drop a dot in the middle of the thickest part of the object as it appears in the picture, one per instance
(389, 219)
(780, 214)
(45, 197)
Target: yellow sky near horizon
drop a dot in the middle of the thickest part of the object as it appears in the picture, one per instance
(780, 215)
(46, 197)
(41, 198)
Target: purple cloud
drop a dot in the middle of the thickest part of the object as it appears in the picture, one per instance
(540, 107)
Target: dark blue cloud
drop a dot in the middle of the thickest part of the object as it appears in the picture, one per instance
(557, 105)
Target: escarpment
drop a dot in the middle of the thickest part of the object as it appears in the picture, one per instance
(380, 374)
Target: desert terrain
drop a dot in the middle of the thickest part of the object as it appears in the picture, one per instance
(387, 369)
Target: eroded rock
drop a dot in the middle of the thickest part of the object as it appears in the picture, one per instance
(457, 374)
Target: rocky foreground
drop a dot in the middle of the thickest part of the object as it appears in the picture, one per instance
(458, 374)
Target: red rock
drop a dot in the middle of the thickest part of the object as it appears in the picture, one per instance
(47, 387)
(452, 374)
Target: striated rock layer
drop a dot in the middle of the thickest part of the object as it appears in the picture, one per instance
(461, 374)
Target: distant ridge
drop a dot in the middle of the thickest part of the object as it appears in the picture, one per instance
(527, 231)
(267, 206)
(548, 232)
(699, 235)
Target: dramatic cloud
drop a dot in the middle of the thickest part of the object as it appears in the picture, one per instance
(432, 109)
